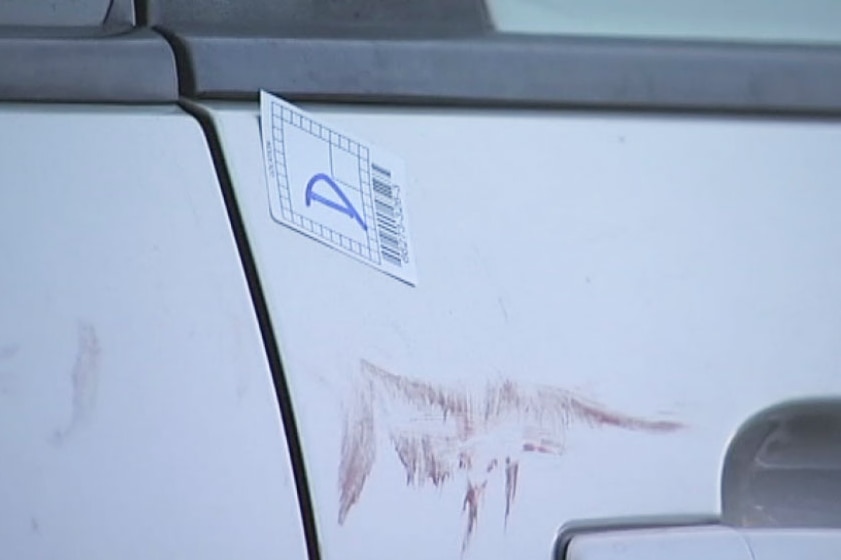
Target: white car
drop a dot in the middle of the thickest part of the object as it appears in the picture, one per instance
(442, 279)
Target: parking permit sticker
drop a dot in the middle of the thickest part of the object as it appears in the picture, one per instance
(335, 188)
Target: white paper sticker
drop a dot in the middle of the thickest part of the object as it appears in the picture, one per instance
(336, 188)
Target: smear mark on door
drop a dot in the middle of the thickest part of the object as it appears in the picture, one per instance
(84, 378)
(440, 433)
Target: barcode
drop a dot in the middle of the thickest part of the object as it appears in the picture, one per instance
(388, 216)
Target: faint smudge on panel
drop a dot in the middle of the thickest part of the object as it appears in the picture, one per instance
(8, 351)
(441, 433)
(503, 309)
(84, 379)
(7, 380)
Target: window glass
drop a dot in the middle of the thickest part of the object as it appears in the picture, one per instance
(65, 13)
(791, 21)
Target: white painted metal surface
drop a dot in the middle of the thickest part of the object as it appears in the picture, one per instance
(805, 544)
(674, 270)
(139, 418)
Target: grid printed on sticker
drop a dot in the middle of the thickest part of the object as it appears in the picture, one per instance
(372, 185)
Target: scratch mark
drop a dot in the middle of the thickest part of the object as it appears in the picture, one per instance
(84, 380)
(439, 433)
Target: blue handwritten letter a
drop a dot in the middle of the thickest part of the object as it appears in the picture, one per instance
(345, 208)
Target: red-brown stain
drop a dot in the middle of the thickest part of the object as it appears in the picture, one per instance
(472, 498)
(438, 433)
(358, 449)
(511, 470)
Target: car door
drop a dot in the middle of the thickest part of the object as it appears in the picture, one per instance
(624, 251)
(139, 414)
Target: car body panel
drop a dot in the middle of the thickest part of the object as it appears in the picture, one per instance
(141, 419)
(656, 279)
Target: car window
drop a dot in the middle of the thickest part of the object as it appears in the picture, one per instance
(53, 12)
(789, 21)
